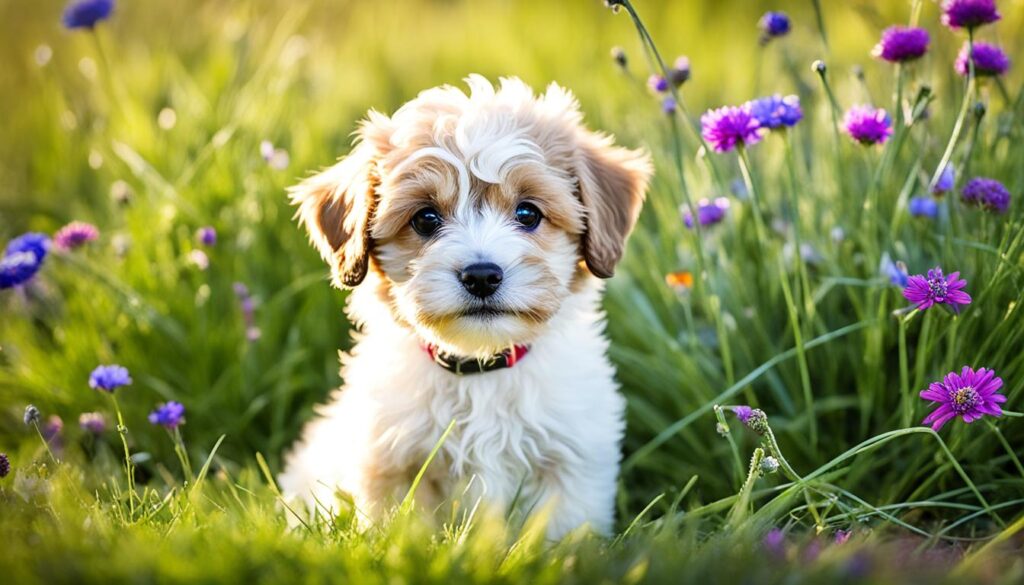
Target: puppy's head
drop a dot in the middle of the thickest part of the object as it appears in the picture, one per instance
(481, 213)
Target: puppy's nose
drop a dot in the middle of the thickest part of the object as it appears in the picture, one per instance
(481, 279)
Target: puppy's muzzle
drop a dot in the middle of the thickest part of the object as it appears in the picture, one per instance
(481, 279)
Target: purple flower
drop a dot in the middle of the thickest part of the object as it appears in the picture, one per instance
(969, 13)
(969, 395)
(842, 536)
(742, 413)
(75, 235)
(680, 72)
(668, 105)
(709, 212)
(206, 236)
(657, 83)
(946, 181)
(923, 207)
(773, 24)
(989, 60)
(775, 543)
(109, 378)
(937, 289)
(987, 193)
(168, 415)
(92, 422)
(902, 43)
(36, 243)
(22, 259)
(18, 268)
(868, 125)
(775, 111)
(86, 13)
(5, 465)
(728, 126)
(53, 426)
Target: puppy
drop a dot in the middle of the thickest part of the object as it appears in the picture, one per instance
(474, 231)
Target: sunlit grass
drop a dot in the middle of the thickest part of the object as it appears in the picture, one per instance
(174, 115)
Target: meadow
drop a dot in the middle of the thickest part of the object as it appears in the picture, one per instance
(772, 352)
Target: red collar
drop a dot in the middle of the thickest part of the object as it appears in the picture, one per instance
(467, 365)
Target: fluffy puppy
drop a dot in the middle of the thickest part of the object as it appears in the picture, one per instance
(474, 229)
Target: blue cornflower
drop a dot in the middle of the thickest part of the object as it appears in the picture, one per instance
(86, 13)
(109, 378)
(773, 24)
(896, 272)
(923, 207)
(947, 178)
(775, 111)
(22, 259)
(169, 415)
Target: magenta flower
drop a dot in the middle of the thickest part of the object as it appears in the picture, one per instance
(868, 125)
(729, 126)
(969, 395)
(75, 235)
(937, 289)
(989, 60)
(987, 193)
(969, 13)
(902, 43)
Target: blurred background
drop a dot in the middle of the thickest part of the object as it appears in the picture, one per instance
(151, 128)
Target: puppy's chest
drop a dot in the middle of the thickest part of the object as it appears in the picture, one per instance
(507, 430)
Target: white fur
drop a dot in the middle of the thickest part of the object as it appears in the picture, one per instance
(544, 434)
(557, 410)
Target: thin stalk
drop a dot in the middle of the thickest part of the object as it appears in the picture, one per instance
(794, 320)
(739, 509)
(1006, 446)
(961, 117)
(804, 294)
(732, 443)
(820, 17)
(648, 40)
(122, 432)
(904, 375)
(181, 452)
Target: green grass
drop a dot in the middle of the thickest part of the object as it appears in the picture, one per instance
(301, 74)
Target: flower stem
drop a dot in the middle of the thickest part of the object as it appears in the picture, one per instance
(122, 432)
(801, 266)
(904, 374)
(794, 320)
(182, 453)
(821, 23)
(46, 444)
(1006, 446)
(961, 117)
(739, 509)
(732, 442)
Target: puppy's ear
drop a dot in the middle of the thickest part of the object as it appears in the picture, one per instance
(335, 206)
(612, 185)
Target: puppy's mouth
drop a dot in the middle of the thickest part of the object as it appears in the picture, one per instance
(486, 312)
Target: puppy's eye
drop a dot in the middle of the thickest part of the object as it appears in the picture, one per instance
(426, 221)
(528, 215)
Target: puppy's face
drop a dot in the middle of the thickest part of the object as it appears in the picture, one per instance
(480, 212)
